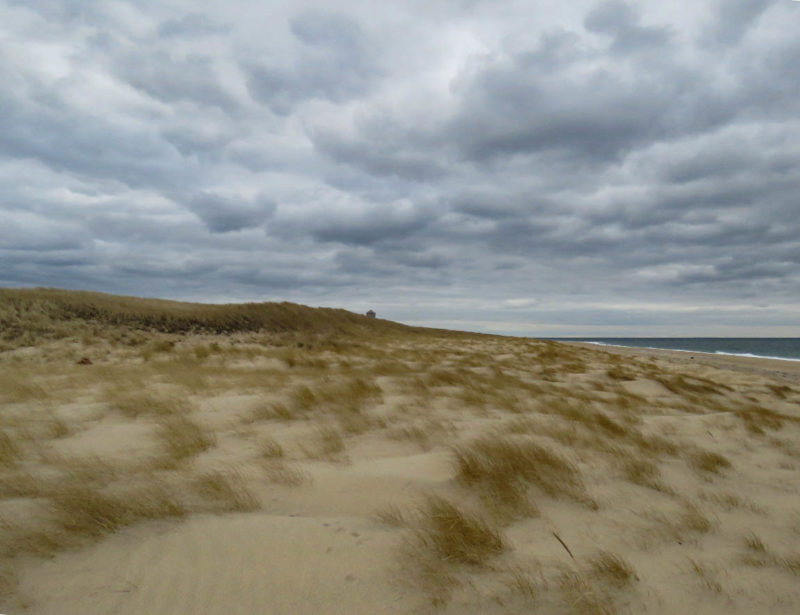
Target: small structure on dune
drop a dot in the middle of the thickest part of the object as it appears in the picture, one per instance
(371, 314)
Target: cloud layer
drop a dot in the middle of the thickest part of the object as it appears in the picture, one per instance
(601, 168)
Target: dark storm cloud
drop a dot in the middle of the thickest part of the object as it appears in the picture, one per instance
(596, 115)
(379, 224)
(507, 167)
(223, 214)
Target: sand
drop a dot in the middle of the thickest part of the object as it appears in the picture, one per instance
(301, 478)
(778, 369)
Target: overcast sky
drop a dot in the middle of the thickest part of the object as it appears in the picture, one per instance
(542, 168)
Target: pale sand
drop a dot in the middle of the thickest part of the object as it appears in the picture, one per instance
(319, 546)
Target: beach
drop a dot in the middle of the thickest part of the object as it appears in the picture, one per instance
(419, 472)
(786, 369)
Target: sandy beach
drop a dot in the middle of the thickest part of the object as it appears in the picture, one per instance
(773, 368)
(394, 473)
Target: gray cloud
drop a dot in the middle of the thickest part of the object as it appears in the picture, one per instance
(191, 25)
(224, 214)
(606, 167)
(172, 80)
(620, 20)
(733, 20)
(334, 63)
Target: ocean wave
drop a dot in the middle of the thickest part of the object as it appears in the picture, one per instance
(709, 352)
(753, 356)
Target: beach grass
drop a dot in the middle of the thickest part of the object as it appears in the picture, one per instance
(465, 473)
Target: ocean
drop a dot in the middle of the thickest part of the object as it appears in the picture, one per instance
(787, 348)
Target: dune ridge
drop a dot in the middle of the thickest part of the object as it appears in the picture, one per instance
(344, 465)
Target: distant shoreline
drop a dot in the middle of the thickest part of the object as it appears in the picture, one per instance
(786, 369)
(716, 353)
(778, 349)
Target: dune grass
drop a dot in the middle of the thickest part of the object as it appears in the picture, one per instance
(525, 426)
(642, 471)
(85, 511)
(135, 404)
(270, 448)
(612, 568)
(456, 536)
(9, 450)
(226, 492)
(503, 467)
(183, 438)
(45, 313)
(325, 442)
(708, 462)
(707, 575)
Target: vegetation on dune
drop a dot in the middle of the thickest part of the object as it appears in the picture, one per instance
(510, 444)
(27, 314)
(503, 467)
(455, 535)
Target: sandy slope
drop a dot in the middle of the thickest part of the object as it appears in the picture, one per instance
(716, 540)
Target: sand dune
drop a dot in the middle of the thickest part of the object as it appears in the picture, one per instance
(393, 473)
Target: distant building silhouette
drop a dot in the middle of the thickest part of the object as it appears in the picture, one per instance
(371, 314)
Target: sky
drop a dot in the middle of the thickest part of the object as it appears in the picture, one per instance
(537, 168)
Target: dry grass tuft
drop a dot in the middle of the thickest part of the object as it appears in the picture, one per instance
(444, 377)
(424, 434)
(325, 443)
(780, 391)
(9, 451)
(523, 582)
(581, 594)
(503, 467)
(707, 576)
(693, 519)
(612, 568)
(758, 556)
(183, 438)
(617, 372)
(791, 563)
(133, 405)
(353, 421)
(283, 474)
(456, 536)
(84, 511)
(227, 492)
(732, 501)
(392, 515)
(18, 386)
(754, 543)
(610, 426)
(643, 472)
(681, 384)
(303, 399)
(757, 419)
(706, 461)
(22, 484)
(654, 444)
(270, 448)
(267, 410)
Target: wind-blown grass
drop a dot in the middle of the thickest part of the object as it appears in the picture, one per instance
(503, 467)
(29, 314)
(455, 535)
